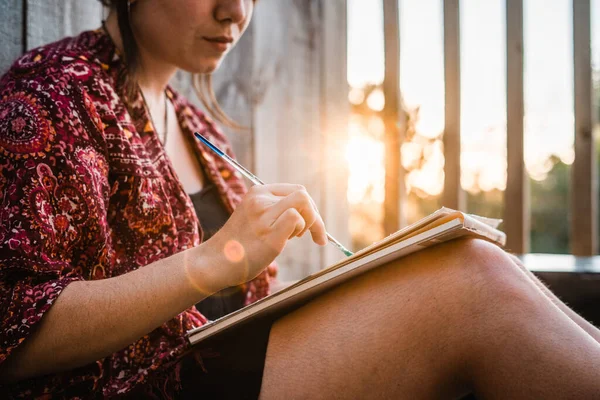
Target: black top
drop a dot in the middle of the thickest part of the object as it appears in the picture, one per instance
(210, 210)
(212, 215)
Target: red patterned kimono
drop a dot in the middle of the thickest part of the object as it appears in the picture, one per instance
(87, 192)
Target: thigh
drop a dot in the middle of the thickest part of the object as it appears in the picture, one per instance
(435, 324)
(376, 336)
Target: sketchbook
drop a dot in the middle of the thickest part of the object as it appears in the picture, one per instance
(441, 226)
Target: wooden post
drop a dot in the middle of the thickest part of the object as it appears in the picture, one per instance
(12, 31)
(584, 182)
(454, 196)
(516, 196)
(395, 189)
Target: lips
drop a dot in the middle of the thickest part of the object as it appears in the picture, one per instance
(219, 43)
(219, 39)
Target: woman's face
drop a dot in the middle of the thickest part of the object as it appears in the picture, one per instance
(193, 35)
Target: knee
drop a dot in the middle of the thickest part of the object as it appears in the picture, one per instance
(464, 272)
(477, 255)
(487, 270)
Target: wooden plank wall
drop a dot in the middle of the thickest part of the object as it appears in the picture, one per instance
(232, 84)
(25, 24)
(285, 81)
(584, 180)
(294, 47)
(11, 32)
(50, 20)
(334, 125)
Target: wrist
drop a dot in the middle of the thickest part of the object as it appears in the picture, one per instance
(206, 269)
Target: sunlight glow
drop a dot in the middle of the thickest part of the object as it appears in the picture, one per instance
(365, 43)
(356, 96)
(429, 179)
(548, 120)
(376, 100)
(367, 178)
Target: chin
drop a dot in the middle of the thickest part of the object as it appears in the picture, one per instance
(204, 66)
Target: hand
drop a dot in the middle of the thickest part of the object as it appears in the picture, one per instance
(258, 230)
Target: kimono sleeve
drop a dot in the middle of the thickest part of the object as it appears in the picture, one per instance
(53, 187)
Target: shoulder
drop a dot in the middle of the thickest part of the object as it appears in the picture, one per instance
(43, 99)
(68, 68)
(77, 57)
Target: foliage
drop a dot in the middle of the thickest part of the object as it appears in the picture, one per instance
(548, 205)
(549, 199)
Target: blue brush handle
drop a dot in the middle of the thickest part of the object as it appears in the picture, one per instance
(254, 179)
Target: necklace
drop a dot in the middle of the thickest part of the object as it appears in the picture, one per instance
(164, 136)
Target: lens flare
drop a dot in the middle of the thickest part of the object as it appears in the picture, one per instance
(234, 251)
(192, 276)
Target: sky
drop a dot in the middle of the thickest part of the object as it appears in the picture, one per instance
(548, 75)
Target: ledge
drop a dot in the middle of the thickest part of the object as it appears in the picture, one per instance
(561, 263)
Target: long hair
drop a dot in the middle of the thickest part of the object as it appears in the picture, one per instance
(202, 83)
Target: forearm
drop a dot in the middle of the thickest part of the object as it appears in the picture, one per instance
(93, 319)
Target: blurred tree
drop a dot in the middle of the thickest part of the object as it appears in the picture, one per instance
(549, 198)
(550, 211)
(489, 204)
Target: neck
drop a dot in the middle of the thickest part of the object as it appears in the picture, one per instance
(153, 74)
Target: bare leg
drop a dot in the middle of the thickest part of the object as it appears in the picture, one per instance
(454, 318)
(584, 324)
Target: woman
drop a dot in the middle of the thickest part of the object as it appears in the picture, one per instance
(101, 259)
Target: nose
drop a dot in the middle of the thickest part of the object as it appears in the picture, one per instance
(234, 11)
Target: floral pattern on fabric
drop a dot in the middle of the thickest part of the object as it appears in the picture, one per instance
(87, 192)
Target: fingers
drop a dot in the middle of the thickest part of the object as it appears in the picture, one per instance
(319, 234)
(278, 189)
(288, 224)
(298, 200)
(273, 202)
(301, 201)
